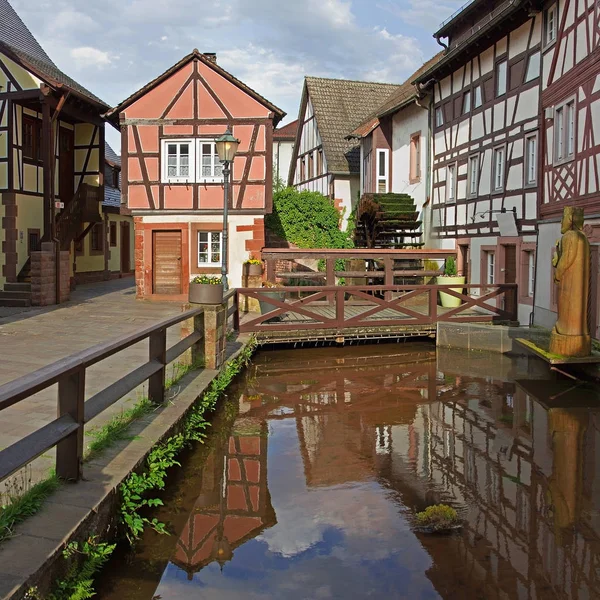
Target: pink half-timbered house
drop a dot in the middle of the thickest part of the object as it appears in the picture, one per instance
(570, 161)
(172, 177)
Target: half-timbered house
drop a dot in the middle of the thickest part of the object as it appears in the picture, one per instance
(172, 177)
(51, 154)
(283, 148)
(485, 122)
(324, 160)
(570, 138)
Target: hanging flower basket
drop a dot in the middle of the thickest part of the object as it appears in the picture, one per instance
(206, 289)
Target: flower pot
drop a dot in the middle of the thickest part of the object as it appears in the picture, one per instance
(254, 270)
(447, 300)
(267, 307)
(206, 293)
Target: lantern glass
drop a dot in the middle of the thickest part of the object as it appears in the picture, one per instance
(227, 146)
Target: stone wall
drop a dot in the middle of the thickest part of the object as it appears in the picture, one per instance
(43, 276)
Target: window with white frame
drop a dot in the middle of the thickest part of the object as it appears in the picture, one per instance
(533, 67)
(498, 161)
(490, 261)
(466, 107)
(564, 131)
(477, 96)
(382, 171)
(209, 248)
(530, 273)
(501, 77)
(531, 159)
(439, 117)
(550, 24)
(190, 161)
(451, 183)
(473, 175)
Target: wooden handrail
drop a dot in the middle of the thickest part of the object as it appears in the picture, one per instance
(347, 253)
(66, 432)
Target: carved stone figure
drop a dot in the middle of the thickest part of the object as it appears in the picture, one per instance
(571, 336)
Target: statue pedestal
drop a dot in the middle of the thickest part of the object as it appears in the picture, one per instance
(570, 345)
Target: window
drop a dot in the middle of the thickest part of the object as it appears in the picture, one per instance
(550, 25)
(32, 138)
(490, 260)
(564, 131)
(97, 238)
(531, 159)
(311, 172)
(209, 248)
(382, 171)
(451, 183)
(211, 167)
(501, 77)
(498, 169)
(415, 158)
(439, 117)
(320, 161)
(178, 160)
(533, 67)
(466, 107)
(302, 169)
(477, 96)
(473, 177)
(530, 272)
(113, 233)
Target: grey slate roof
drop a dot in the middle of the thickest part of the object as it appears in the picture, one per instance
(112, 196)
(110, 154)
(16, 39)
(341, 105)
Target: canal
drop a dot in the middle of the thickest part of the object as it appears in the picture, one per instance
(315, 466)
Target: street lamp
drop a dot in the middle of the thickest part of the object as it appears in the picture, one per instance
(227, 146)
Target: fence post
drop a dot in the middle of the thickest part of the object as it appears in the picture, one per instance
(389, 276)
(198, 347)
(330, 277)
(339, 306)
(236, 313)
(158, 352)
(433, 304)
(71, 398)
(271, 270)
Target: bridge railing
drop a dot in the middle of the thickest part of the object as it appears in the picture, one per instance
(289, 264)
(294, 308)
(74, 411)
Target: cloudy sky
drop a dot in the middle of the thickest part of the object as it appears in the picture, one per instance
(116, 46)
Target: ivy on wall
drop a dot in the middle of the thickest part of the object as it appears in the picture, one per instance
(307, 219)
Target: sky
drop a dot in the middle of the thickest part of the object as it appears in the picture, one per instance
(116, 46)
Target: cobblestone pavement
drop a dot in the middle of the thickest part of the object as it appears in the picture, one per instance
(37, 337)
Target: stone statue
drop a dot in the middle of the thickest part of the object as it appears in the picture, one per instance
(571, 336)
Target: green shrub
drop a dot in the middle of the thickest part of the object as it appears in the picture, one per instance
(438, 517)
(450, 267)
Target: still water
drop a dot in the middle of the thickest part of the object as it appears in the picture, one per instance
(308, 484)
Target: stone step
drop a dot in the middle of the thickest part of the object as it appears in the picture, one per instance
(12, 295)
(20, 286)
(15, 302)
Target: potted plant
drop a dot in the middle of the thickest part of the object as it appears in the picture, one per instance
(450, 277)
(274, 292)
(206, 289)
(253, 267)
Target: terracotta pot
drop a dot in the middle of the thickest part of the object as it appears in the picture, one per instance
(254, 270)
(447, 300)
(206, 293)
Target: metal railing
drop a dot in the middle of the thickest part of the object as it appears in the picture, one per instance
(74, 411)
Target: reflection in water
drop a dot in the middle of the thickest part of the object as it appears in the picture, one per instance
(351, 442)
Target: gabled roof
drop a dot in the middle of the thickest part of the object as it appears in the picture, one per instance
(113, 112)
(339, 106)
(287, 132)
(18, 42)
(407, 92)
(111, 156)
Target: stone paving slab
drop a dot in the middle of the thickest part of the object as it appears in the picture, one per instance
(35, 338)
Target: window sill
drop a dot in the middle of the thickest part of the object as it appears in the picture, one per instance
(413, 180)
(530, 186)
(548, 45)
(563, 161)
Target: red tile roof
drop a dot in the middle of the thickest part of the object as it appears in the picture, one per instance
(287, 132)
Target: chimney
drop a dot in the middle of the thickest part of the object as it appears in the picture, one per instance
(212, 56)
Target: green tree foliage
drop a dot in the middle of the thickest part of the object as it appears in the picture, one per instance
(307, 219)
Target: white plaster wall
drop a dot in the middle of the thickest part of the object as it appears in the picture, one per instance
(346, 189)
(282, 159)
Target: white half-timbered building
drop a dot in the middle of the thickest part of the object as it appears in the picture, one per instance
(486, 102)
(570, 162)
(324, 160)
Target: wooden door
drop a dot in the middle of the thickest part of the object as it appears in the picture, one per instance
(166, 262)
(510, 274)
(125, 248)
(66, 169)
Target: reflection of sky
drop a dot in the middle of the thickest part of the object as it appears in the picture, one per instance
(348, 541)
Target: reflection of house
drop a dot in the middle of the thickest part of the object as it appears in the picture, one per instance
(173, 179)
(227, 514)
(324, 160)
(283, 147)
(51, 150)
(107, 252)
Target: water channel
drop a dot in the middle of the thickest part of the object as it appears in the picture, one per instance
(315, 467)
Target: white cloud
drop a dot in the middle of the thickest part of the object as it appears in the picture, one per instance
(86, 56)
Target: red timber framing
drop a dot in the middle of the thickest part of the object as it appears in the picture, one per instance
(573, 65)
(470, 131)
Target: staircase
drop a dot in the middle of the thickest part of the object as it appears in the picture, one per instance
(16, 294)
(83, 208)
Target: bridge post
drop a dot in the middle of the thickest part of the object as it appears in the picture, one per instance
(433, 304)
(388, 265)
(158, 352)
(330, 277)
